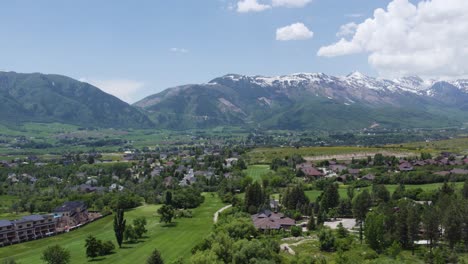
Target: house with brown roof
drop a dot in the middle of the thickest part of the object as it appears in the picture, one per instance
(309, 170)
(459, 171)
(368, 177)
(268, 220)
(406, 166)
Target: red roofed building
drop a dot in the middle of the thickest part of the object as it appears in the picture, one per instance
(309, 170)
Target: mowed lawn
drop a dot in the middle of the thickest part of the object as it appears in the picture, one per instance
(257, 171)
(175, 241)
(313, 194)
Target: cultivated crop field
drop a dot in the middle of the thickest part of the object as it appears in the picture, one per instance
(173, 241)
(266, 155)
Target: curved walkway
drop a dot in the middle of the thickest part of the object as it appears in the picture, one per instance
(215, 217)
(287, 247)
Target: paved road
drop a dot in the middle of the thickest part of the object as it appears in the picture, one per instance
(215, 217)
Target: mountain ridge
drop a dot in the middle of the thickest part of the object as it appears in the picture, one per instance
(266, 100)
(37, 97)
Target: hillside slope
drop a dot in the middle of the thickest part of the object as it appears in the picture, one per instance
(54, 98)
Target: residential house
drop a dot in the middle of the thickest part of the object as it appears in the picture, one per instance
(459, 171)
(309, 170)
(405, 166)
(368, 177)
(268, 220)
(354, 172)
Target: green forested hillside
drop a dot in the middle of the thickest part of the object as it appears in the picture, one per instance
(53, 98)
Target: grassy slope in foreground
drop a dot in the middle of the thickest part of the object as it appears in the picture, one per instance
(173, 242)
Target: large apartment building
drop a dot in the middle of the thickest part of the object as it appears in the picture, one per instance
(27, 228)
(71, 214)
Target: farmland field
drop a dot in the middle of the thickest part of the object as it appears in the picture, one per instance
(174, 241)
(266, 155)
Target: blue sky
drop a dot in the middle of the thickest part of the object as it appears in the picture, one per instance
(143, 47)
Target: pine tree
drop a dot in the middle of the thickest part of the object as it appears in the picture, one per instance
(431, 224)
(453, 223)
(413, 221)
(155, 258)
(331, 197)
(311, 223)
(361, 206)
(374, 231)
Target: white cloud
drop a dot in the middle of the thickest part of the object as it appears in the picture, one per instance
(179, 50)
(347, 30)
(354, 15)
(124, 89)
(245, 6)
(296, 31)
(291, 3)
(427, 39)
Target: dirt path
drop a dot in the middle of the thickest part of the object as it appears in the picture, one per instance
(215, 217)
(287, 247)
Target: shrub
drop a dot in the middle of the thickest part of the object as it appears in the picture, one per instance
(296, 231)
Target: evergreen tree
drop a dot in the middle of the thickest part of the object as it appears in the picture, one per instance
(402, 224)
(254, 197)
(311, 223)
(155, 258)
(465, 190)
(413, 221)
(361, 206)
(431, 222)
(399, 192)
(330, 198)
(380, 193)
(453, 223)
(119, 226)
(374, 231)
(168, 198)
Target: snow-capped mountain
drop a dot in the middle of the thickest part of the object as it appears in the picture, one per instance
(307, 99)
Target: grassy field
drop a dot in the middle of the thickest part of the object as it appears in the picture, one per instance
(313, 194)
(173, 241)
(457, 145)
(266, 155)
(257, 171)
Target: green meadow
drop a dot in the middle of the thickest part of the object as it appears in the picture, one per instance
(257, 171)
(174, 241)
(313, 194)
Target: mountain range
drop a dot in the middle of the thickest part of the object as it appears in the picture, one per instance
(296, 101)
(311, 101)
